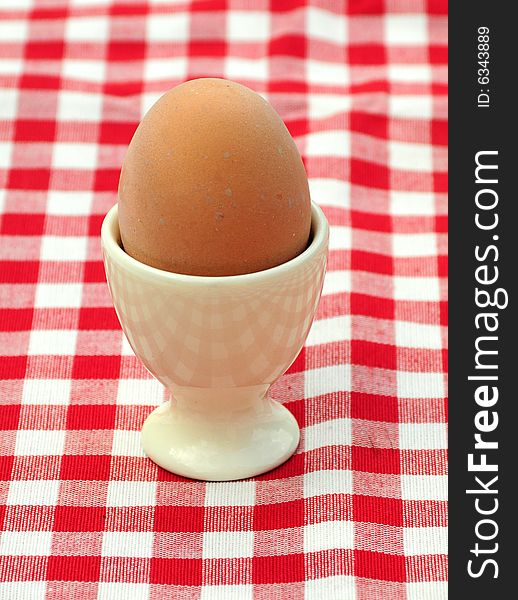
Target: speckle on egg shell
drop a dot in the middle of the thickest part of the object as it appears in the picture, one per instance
(213, 184)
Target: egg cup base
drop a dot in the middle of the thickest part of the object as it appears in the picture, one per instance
(222, 446)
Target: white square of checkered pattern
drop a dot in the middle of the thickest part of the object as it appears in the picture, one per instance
(427, 590)
(329, 482)
(408, 107)
(403, 73)
(87, 3)
(131, 493)
(414, 244)
(248, 26)
(329, 192)
(339, 238)
(326, 26)
(412, 203)
(251, 69)
(411, 288)
(140, 392)
(128, 543)
(162, 69)
(336, 432)
(327, 331)
(228, 544)
(64, 295)
(328, 143)
(74, 156)
(329, 535)
(327, 380)
(64, 248)
(322, 73)
(336, 282)
(425, 540)
(420, 385)
(410, 157)
(166, 27)
(5, 153)
(418, 335)
(337, 586)
(235, 493)
(11, 67)
(429, 436)
(33, 492)
(92, 71)
(109, 590)
(63, 203)
(46, 391)
(405, 30)
(16, 31)
(25, 543)
(77, 106)
(227, 592)
(39, 442)
(52, 341)
(424, 487)
(23, 590)
(87, 29)
(321, 106)
(126, 443)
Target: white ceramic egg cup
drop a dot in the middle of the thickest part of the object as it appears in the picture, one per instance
(217, 344)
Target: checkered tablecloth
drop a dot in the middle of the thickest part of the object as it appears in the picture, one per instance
(359, 513)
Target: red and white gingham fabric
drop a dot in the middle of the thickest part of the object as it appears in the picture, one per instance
(359, 513)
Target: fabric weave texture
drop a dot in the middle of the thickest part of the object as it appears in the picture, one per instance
(360, 511)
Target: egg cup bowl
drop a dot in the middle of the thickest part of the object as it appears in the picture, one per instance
(217, 344)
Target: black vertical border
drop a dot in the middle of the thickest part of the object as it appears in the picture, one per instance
(472, 129)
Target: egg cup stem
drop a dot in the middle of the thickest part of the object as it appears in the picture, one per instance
(220, 434)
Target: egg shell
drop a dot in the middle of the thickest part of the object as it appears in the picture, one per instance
(213, 184)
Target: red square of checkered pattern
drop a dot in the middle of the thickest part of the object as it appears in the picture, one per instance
(360, 511)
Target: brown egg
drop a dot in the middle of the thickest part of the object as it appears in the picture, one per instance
(213, 184)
